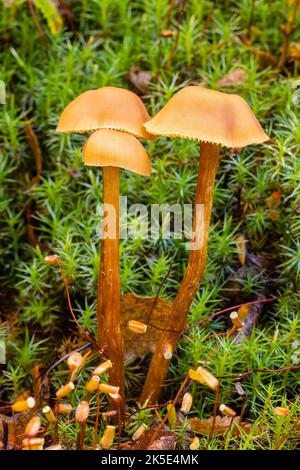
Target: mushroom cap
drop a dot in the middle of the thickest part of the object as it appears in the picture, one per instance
(105, 108)
(106, 147)
(198, 113)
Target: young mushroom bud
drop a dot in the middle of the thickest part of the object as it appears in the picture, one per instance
(109, 414)
(65, 390)
(204, 377)
(116, 397)
(74, 361)
(102, 368)
(54, 447)
(64, 408)
(48, 412)
(106, 388)
(23, 405)
(33, 443)
(139, 432)
(234, 317)
(33, 427)
(82, 412)
(172, 417)
(280, 411)
(137, 326)
(195, 443)
(168, 352)
(93, 384)
(187, 402)
(108, 437)
(226, 411)
(52, 259)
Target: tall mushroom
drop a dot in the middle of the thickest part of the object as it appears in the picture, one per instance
(120, 115)
(214, 119)
(113, 150)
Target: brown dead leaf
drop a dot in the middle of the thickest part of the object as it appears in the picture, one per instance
(234, 77)
(164, 441)
(146, 310)
(7, 431)
(222, 424)
(141, 79)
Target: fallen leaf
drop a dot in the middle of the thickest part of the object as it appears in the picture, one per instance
(164, 441)
(148, 310)
(141, 79)
(222, 423)
(234, 77)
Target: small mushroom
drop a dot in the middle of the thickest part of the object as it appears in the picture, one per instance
(116, 117)
(214, 119)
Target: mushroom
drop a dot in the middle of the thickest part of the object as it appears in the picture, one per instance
(105, 108)
(117, 115)
(214, 119)
(113, 150)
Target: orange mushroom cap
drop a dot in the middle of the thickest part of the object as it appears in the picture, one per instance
(105, 108)
(106, 147)
(198, 113)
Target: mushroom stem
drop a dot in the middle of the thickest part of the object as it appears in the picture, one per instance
(209, 156)
(109, 286)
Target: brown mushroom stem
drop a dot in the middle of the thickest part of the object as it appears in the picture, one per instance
(209, 156)
(109, 295)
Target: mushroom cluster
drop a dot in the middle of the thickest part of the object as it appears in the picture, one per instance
(115, 118)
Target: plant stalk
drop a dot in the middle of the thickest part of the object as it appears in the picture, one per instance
(109, 286)
(209, 156)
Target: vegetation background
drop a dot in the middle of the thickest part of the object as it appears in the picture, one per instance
(50, 203)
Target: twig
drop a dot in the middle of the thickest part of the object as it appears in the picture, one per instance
(207, 23)
(216, 405)
(282, 441)
(97, 420)
(171, 55)
(259, 371)
(85, 334)
(37, 23)
(36, 150)
(68, 14)
(157, 294)
(161, 425)
(287, 31)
